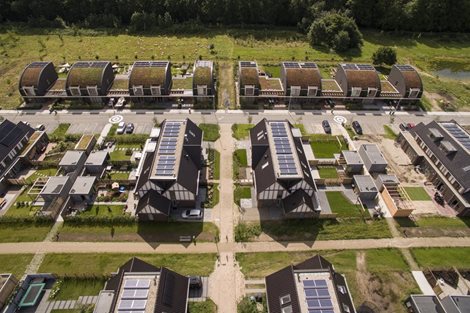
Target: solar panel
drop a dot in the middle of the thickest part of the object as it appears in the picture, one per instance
(458, 133)
(135, 294)
(309, 65)
(131, 305)
(291, 65)
(365, 67)
(318, 296)
(137, 284)
(282, 146)
(247, 64)
(349, 66)
(405, 68)
(151, 63)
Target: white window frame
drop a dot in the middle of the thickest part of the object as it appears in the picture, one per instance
(75, 90)
(312, 91)
(155, 90)
(295, 91)
(92, 90)
(138, 90)
(202, 90)
(29, 91)
(249, 90)
(372, 92)
(265, 165)
(414, 92)
(285, 299)
(356, 91)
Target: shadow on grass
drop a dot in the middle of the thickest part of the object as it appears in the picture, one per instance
(186, 233)
(406, 222)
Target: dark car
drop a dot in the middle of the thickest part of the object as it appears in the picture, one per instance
(357, 127)
(129, 128)
(326, 126)
(195, 282)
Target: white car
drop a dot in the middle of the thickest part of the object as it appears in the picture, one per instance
(120, 103)
(194, 214)
(121, 128)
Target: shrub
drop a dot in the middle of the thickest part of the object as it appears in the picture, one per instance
(384, 55)
(245, 232)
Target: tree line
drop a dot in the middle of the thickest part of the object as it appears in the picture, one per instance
(143, 15)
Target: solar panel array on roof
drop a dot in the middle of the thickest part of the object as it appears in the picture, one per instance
(308, 65)
(247, 64)
(132, 305)
(137, 284)
(83, 64)
(458, 133)
(171, 129)
(151, 64)
(282, 146)
(168, 145)
(405, 68)
(38, 64)
(166, 161)
(291, 65)
(133, 298)
(365, 67)
(318, 296)
(166, 165)
(349, 66)
(135, 294)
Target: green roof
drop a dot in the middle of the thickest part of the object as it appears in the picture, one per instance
(85, 76)
(147, 76)
(202, 76)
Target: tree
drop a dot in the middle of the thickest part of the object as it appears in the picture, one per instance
(384, 55)
(335, 31)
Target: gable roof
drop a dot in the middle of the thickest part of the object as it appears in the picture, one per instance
(278, 285)
(147, 73)
(172, 295)
(11, 134)
(296, 199)
(87, 73)
(153, 203)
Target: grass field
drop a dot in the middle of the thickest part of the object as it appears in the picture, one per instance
(61, 130)
(89, 264)
(23, 232)
(342, 206)
(417, 193)
(119, 155)
(138, 232)
(216, 164)
(389, 133)
(207, 306)
(240, 155)
(72, 288)
(241, 192)
(325, 146)
(442, 258)
(45, 172)
(241, 131)
(211, 131)
(384, 260)
(119, 175)
(103, 210)
(447, 222)
(327, 172)
(22, 210)
(267, 46)
(15, 264)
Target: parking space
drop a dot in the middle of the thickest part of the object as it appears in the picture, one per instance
(85, 128)
(200, 294)
(143, 128)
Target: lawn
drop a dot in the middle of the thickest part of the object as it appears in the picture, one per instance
(119, 155)
(45, 172)
(23, 232)
(324, 229)
(273, 69)
(72, 288)
(19, 208)
(119, 175)
(325, 146)
(328, 172)
(389, 133)
(241, 192)
(417, 193)
(93, 264)
(211, 131)
(342, 206)
(446, 222)
(260, 264)
(442, 258)
(241, 131)
(15, 263)
(103, 210)
(240, 155)
(207, 306)
(302, 129)
(139, 232)
(59, 133)
(385, 260)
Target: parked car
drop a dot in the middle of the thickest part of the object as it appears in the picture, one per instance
(40, 127)
(129, 128)
(194, 214)
(357, 127)
(121, 128)
(195, 282)
(326, 126)
(438, 198)
(3, 202)
(406, 126)
(120, 103)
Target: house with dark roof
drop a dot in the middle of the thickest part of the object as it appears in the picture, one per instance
(89, 81)
(282, 175)
(14, 139)
(149, 80)
(36, 80)
(141, 287)
(358, 81)
(407, 81)
(432, 304)
(310, 286)
(169, 170)
(301, 80)
(442, 150)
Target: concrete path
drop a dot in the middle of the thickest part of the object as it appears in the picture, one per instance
(142, 247)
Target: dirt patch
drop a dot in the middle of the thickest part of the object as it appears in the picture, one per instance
(436, 98)
(434, 232)
(226, 90)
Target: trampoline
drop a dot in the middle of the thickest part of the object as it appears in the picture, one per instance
(32, 294)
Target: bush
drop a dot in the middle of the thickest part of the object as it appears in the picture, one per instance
(29, 220)
(245, 232)
(384, 55)
(99, 221)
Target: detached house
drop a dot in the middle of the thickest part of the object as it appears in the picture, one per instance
(282, 173)
(149, 80)
(36, 80)
(89, 80)
(168, 173)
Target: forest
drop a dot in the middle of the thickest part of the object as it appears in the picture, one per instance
(146, 15)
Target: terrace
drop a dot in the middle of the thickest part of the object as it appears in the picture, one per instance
(387, 89)
(270, 86)
(184, 83)
(330, 88)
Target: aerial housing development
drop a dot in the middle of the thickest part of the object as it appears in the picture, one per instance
(235, 156)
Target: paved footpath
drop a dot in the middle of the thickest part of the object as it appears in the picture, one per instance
(271, 246)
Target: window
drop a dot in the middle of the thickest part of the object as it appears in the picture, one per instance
(287, 309)
(342, 289)
(249, 90)
(346, 308)
(285, 299)
(265, 165)
(138, 90)
(92, 90)
(156, 90)
(295, 91)
(356, 91)
(371, 92)
(29, 91)
(312, 91)
(202, 90)
(75, 91)
(414, 92)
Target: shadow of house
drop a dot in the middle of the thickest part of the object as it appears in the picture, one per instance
(140, 286)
